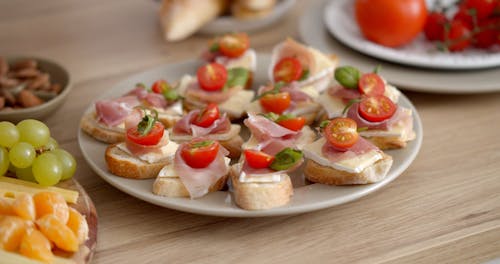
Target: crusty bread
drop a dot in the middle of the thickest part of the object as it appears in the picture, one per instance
(168, 120)
(89, 125)
(384, 143)
(242, 12)
(120, 163)
(315, 172)
(260, 196)
(256, 5)
(173, 187)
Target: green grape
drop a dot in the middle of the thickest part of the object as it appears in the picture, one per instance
(51, 145)
(47, 169)
(25, 174)
(67, 161)
(4, 161)
(34, 132)
(22, 154)
(9, 135)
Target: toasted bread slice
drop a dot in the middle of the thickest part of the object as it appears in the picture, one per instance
(120, 163)
(173, 186)
(260, 196)
(90, 125)
(315, 172)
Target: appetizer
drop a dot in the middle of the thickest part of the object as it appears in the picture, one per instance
(252, 9)
(209, 123)
(294, 62)
(146, 150)
(261, 180)
(200, 166)
(216, 84)
(342, 157)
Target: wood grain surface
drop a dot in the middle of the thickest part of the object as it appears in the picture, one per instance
(444, 209)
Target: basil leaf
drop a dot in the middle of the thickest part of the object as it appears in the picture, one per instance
(324, 123)
(286, 159)
(285, 117)
(275, 90)
(214, 47)
(171, 94)
(201, 144)
(271, 116)
(147, 123)
(348, 76)
(305, 75)
(349, 104)
(237, 77)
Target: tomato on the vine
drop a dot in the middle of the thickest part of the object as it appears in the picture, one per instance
(435, 26)
(459, 36)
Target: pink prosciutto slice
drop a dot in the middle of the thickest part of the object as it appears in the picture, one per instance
(387, 124)
(291, 48)
(343, 93)
(113, 112)
(185, 126)
(263, 128)
(152, 99)
(198, 181)
(195, 93)
(362, 146)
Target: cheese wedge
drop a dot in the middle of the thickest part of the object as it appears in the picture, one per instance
(10, 187)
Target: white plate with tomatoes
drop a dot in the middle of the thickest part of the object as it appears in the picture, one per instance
(339, 18)
(307, 197)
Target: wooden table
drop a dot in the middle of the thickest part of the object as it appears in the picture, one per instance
(444, 208)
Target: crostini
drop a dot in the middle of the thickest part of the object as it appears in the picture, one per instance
(261, 180)
(210, 124)
(146, 150)
(200, 166)
(342, 157)
(294, 62)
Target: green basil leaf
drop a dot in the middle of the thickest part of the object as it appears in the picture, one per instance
(324, 123)
(285, 117)
(214, 47)
(348, 76)
(237, 77)
(305, 75)
(147, 123)
(286, 159)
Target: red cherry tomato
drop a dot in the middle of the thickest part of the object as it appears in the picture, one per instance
(258, 159)
(234, 45)
(489, 33)
(152, 138)
(371, 84)
(276, 103)
(484, 8)
(212, 77)
(208, 116)
(287, 70)
(199, 152)
(434, 26)
(341, 133)
(459, 36)
(159, 86)
(391, 23)
(376, 108)
(294, 123)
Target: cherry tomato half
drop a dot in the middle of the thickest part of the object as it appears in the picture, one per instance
(208, 116)
(199, 152)
(459, 36)
(212, 77)
(152, 138)
(258, 159)
(376, 108)
(371, 84)
(276, 103)
(234, 45)
(287, 70)
(341, 133)
(294, 123)
(159, 86)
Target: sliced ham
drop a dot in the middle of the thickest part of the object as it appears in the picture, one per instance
(291, 48)
(296, 94)
(362, 146)
(138, 149)
(343, 93)
(262, 127)
(198, 181)
(353, 113)
(152, 99)
(113, 112)
(139, 91)
(195, 93)
(185, 126)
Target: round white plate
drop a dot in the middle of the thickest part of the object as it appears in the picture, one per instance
(314, 32)
(226, 24)
(306, 198)
(340, 20)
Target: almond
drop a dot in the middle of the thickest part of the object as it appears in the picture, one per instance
(6, 82)
(38, 82)
(2, 102)
(9, 98)
(27, 73)
(28, 99)
(4, 66)
(25, 64)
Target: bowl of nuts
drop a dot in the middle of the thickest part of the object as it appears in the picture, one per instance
(31, 87)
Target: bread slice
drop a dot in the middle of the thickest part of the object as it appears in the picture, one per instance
(260, 196)
(122, 164)
(90, 125)
(242, 12)
(168, 120)
(315, 172)
(173, 186)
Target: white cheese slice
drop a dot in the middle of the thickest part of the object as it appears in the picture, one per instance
(184, 82)
(236, 104)
(355, 165)
(169, 171)
(310, 90)
(392, 92)
(248, 61)
(261, 178)
(233, 132)
(167, 152)
(332, 105)
(120, 128)
(402, 129)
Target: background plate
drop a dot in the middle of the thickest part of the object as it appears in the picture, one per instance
(306, 198)
(314, 32)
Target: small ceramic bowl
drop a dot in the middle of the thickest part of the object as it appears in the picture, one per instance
(58, 74)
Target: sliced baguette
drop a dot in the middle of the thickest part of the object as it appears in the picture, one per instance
(260, 196)
(173, 186)
(90, 125)
(120, 163)
(315, 172)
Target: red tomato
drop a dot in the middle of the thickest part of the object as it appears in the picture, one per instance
(459, 36)
(376, 108)
(258, 159)
(234, 45)
(371, 84)
(391, 23)
(341, 133)
(484, 8)
(159, 86)
(294, 123)
(208, 116)
(276, 103)
(152, 138)
(212, 77)
(463, 15)
(434, 26)
(287, 70)
(199, 152)
(489, 33)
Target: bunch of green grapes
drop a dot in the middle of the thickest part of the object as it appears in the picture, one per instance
(28, 151)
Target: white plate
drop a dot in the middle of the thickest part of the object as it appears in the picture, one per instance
(226, 24)
(314, 32)
(340, 21)
(306, 198)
